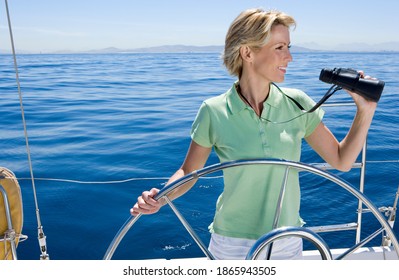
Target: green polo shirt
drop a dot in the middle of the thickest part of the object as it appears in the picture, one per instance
(247, 206)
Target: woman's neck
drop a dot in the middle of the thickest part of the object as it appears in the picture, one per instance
(253, 95)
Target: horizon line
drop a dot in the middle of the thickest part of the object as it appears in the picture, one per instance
(181, 48)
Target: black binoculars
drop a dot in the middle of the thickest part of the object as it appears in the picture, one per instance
(350, 79)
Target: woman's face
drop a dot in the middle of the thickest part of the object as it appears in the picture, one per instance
(271, 61)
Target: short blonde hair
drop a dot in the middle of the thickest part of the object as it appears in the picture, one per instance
(251, 28)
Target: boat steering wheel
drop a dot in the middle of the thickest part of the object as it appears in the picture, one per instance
(277, 232)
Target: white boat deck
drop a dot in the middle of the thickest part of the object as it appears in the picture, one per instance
(364, 253)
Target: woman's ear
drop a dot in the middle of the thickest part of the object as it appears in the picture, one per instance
(246, 53)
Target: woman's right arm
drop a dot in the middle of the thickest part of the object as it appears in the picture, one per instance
(196, 158)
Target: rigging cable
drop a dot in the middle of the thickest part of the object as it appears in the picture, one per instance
(40, 232)
(331, 91)
(121, 181)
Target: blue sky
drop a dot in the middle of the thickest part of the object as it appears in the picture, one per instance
(51, 25)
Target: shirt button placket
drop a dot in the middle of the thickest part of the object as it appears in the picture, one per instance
(262, 133)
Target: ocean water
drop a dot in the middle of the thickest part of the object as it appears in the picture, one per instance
(104, 127)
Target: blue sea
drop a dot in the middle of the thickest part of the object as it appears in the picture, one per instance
(103, 128)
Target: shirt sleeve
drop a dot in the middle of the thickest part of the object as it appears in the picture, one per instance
(201, 127)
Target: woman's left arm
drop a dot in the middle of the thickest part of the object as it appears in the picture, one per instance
(341, 155)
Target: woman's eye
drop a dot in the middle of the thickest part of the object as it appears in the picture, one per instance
(282, 47)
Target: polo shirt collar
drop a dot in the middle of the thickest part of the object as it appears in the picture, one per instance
(275, 96)
(235, 103)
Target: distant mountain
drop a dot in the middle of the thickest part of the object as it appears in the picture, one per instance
(178, 49)
(106, 50)
(310, 47)
(359, 47)
(355, 47)
(161, 49)
(304, 47)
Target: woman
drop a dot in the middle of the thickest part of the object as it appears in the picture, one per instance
(250, 121)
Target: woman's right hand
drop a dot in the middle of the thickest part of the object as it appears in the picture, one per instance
(146, 204)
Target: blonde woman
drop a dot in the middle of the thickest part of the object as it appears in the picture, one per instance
(247, 121)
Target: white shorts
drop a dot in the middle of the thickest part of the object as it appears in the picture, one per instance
(231, 248)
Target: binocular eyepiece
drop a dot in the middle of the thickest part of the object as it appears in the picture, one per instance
(350, 79)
